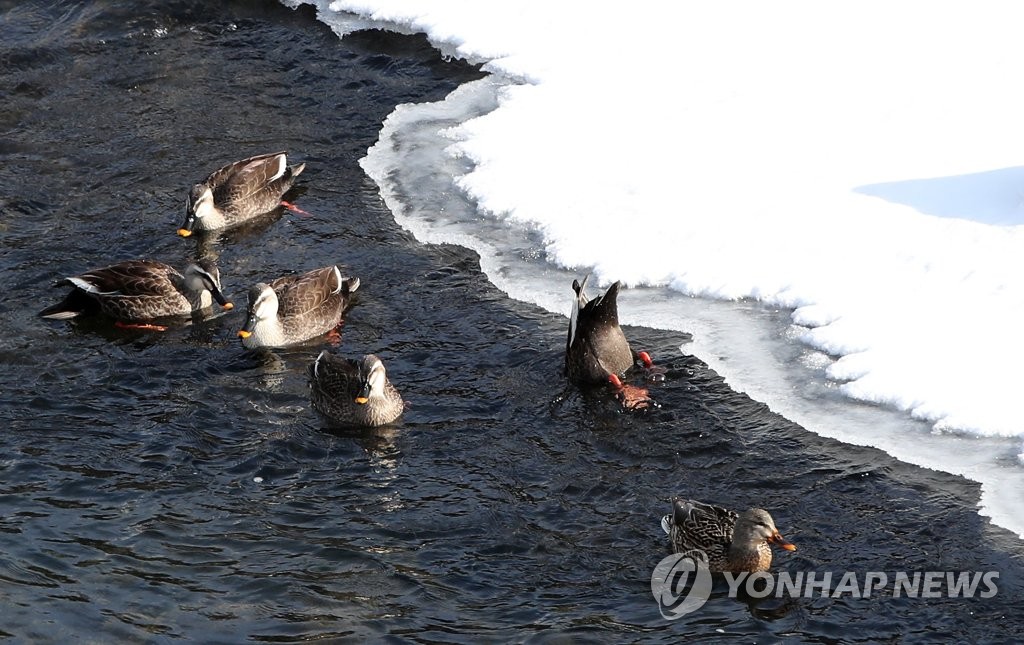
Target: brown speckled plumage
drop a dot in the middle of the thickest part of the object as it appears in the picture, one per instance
(295, 308)
(353, 392)
(730, 541)
(141, 290)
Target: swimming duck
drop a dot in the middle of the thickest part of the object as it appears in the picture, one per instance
(141, 290)
(295, 308)
(353, 392)
(239, 191)
(596, 350)
(731, 541)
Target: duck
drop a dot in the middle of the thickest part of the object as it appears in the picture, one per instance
(353, 392)
(239, 192)
(295, 308)
(139, 291)
(596, 349)
(731, 541)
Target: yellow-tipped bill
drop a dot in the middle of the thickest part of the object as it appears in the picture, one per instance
(778, 540)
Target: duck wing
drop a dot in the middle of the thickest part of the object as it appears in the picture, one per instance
(129, 279)
(136, 289)
(578, 304)
(696, 526)
(334, 377)
(241, 179)
(305, 293)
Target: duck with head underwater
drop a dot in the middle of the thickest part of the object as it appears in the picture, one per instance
(596, 349)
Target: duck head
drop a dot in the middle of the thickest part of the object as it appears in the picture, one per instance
(204, 276)
(373, 378)
(198, 205)
(756, 527)
(262, 307)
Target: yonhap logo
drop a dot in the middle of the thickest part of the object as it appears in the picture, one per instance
(851, 584)
(681, 583)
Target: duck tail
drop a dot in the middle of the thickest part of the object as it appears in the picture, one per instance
(75, 304)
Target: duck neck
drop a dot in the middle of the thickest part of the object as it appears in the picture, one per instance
(268, 333)
(192, 290)
(200, 299)
(208, 216)
(379, 410)
(750, 557)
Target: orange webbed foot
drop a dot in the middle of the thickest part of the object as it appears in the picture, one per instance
(295, 209)
(142, 326)
(631, 397)
(334, 336)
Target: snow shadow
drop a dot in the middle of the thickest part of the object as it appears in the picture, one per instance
(991, 197)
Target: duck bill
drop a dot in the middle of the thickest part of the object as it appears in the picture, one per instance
(364, 394)
(186, 228)
(780, 542)
(221, 300)
(247, 328)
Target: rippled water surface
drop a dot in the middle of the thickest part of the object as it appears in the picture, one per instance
(158, 486)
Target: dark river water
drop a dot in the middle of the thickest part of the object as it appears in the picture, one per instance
(165, 486)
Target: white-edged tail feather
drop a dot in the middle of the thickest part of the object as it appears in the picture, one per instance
(89, 287)
(61, 315)
(255, 164)
(579, 301)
